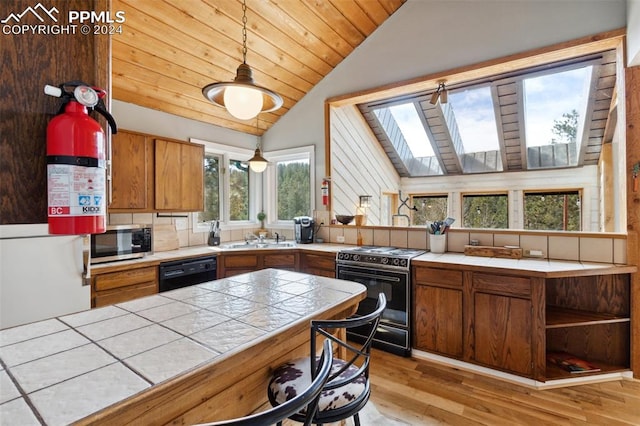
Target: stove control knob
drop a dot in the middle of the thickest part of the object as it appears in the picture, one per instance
(385, 260)
(403, 262)
(356, 257)
(396, 261)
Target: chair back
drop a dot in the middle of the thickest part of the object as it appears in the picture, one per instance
(307, 399)
(359, 356)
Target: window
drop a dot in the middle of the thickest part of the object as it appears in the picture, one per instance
(212, 186)
(552, 211)
(238, 190)
(485, 211)
(289, 178)
(230, 190)
(431, 208)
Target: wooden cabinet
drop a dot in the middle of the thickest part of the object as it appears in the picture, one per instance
(437, 316)
(230, 264)
(323, 264)
(120, 286)
(151, 174)
(132, 178)
(179, 176)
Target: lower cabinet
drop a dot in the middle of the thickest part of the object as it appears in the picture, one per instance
(230, 264)
(120, 286)
(323, 264)
(438, 311)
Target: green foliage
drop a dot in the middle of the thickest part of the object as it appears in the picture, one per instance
(430, 209)
(552, 211)
(567, 128)
(485, 211)
(239, 190)
(294, 189)
(211, 189)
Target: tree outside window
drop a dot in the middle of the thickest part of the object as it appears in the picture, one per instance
(238, 190)
(211, 189)
(552, 211)
(431, 208)
(485, 211)
(293, 189)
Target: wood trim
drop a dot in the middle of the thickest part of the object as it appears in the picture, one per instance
(565, 50)
(327, 150)
(632, 107)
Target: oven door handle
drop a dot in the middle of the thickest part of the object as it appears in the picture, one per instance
(376, 277)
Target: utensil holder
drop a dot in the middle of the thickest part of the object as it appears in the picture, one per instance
(214, 241)
(438, 243)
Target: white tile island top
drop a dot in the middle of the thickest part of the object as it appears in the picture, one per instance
(104, 364)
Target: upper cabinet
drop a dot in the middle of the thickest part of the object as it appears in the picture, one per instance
(150, 174)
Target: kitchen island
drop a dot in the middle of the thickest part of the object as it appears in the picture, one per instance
(196, 354)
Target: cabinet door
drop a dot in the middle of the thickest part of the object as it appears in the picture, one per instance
(179, 174)
(131, 172)
(286, 261)
(438, 320)
(502, 327)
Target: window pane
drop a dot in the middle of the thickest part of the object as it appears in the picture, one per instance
(485, 211)
(476, 119)
(239, 190)
(294, 192)
(553, 211)
(555, 107)
(211, 189)
(431, 208)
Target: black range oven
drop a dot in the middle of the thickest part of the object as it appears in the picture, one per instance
(382, 270)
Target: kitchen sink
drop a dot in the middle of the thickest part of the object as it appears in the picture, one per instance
(258, 245)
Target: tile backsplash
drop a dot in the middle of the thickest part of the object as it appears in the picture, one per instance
(586, 247)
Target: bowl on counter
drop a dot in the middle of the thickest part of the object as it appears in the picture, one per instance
(344, 219)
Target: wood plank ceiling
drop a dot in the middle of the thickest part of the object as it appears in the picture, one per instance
(169, 49)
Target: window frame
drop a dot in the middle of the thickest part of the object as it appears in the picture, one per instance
(270, 182)
(580, 193)
(504, 193)
(227, 153)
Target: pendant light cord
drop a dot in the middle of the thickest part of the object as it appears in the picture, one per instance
(244, 32)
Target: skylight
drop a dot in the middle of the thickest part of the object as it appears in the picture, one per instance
(473, 109)
(411, 127)
(554, 110)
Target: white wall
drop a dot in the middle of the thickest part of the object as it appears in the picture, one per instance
(428, 36)
(633, 32)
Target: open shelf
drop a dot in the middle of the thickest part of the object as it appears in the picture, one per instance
(563, 317)
(555, 372)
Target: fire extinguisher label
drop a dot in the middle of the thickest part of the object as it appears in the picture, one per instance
(76, 190)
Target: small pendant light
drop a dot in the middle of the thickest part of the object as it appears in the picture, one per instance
(257, 163)
(242, 97)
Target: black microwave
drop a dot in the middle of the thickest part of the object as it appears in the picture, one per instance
(121, 242)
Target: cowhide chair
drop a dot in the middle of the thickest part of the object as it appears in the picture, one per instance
(305, 402)
(347, 390)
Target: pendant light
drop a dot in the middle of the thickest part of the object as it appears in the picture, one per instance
(242, 97)
(257, 163)
(440, 93)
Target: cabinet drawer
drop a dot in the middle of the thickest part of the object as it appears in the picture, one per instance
(110, 297)
(240, 261)
(272, 260)
(321, 262)
(126, 278)
(502, 284)
(445, 277)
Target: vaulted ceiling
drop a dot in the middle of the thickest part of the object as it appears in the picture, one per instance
(168, 50)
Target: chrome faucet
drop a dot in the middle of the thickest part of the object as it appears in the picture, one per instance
(250, 236)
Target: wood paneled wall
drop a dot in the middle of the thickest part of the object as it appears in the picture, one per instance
(29, 62)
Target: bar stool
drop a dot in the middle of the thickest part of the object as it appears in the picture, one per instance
(306, 402)
(347, 390)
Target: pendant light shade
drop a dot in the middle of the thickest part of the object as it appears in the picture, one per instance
(242, 97)
(257, 163)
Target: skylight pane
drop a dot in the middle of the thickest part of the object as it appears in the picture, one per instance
(473, 110)
(412, 130)
(555, 106)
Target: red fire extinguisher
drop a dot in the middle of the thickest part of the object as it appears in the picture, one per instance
(325, 192)
(76, 164)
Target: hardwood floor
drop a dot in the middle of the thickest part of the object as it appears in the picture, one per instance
(419, 392)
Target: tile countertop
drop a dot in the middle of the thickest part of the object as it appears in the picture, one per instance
(63, 369)
(547, 268)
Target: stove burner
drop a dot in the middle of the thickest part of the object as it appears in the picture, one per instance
(388, 257)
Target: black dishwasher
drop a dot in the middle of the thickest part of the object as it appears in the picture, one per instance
(186, 272)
